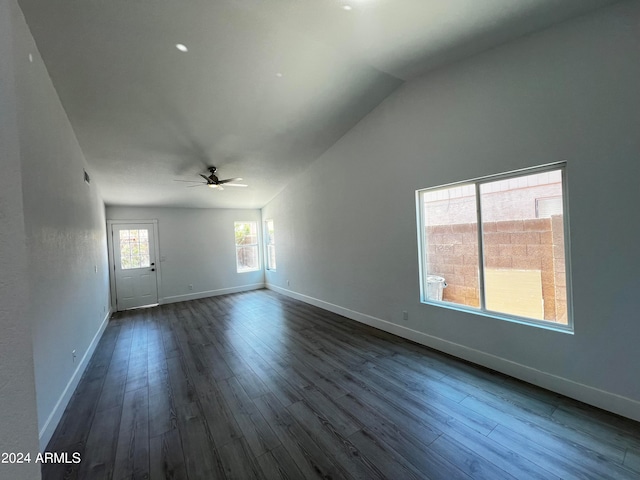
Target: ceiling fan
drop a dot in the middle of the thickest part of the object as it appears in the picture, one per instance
(212, 181)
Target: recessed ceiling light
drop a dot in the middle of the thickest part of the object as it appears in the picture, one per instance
(181, 47)
(347, 7)
(279, 75)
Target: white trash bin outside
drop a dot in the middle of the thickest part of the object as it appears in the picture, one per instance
(435, 285)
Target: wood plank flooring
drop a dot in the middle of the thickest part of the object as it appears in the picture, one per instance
(259, 386)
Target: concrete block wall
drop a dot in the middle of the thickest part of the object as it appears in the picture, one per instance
(533, 244)
(559, 268)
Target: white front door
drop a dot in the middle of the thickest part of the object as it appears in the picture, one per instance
(134, 265)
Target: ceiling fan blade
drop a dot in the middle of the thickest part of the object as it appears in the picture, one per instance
(205, 177)
(227, 180)
(189, 181)
(235, 185)
(199, 185)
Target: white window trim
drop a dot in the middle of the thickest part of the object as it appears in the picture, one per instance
(257, 245)
(569, 327)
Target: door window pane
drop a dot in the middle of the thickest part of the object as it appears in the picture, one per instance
(134, 249)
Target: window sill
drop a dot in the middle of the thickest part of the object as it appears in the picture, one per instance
(546, 325)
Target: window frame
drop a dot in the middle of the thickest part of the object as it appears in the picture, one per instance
(256, 245)
(269, 242)
(482, 310)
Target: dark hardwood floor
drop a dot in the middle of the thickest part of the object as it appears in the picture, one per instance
(257, 385)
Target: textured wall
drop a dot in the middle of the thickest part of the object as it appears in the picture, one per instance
(18, 428)
(66, 240)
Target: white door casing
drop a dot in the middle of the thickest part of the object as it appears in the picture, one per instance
(134, 264)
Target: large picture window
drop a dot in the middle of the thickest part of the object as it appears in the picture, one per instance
(498, 245)
(247, 254)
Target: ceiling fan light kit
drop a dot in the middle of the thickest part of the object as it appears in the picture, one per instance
(212, 181)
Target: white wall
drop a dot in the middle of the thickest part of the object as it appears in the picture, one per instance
(197, 247)
(346, 228)
(66, 238)
(18, 428)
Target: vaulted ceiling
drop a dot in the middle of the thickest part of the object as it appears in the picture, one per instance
(265, 87)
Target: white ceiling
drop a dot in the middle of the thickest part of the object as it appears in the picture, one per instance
(265, 88)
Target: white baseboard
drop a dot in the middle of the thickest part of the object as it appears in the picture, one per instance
(211, 293)
(46, 432)
(612, 402)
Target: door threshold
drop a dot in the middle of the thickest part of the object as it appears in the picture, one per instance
(141, 306)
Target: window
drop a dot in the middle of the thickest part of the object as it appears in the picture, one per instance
(497, 245)
(134, 249)
(271, 245)
(546, 207)
(247, 256)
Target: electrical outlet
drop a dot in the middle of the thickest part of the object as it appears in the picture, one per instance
(190, 286)
(73, 356)
(405, 315)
